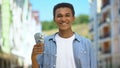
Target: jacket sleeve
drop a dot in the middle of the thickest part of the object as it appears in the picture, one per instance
(93, 57)
(40, 60)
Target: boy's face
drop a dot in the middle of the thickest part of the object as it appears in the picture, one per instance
(64, 18)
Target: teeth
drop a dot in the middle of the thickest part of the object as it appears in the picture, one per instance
(63, 23)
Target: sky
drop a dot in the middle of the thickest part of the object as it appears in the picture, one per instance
(45, 7)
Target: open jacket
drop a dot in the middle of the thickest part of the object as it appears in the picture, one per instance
(83, 52)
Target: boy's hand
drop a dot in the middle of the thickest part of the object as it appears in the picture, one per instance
(37, 49)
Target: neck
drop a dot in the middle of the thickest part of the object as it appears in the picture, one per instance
(65, 34)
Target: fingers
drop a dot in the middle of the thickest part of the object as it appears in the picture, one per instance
(38, 48)
(39, 44)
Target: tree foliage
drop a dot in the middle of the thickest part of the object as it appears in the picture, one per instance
(81, 19)
(48, 25)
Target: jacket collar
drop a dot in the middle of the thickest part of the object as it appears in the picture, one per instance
(77, 37)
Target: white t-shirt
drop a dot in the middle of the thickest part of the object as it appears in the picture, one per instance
(65, 58)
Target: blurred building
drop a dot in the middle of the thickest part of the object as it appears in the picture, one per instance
(25, 24)
(18, 24)
(17, 7)
(0, 24)
(105, 32)
(7, 59)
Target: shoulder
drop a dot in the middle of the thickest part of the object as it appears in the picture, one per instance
(50, 37)
(83, 40)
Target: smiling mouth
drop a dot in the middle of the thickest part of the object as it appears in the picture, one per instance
(63, 23)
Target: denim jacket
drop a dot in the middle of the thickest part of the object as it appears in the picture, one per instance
(84, 54)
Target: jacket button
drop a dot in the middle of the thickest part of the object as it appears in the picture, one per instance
(56, 55)
(85, 52)
(54, 65)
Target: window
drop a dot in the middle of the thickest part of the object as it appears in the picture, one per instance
(119, 10)
(119, 7)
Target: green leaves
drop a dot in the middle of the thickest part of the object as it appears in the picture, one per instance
(48, 25)
(83, 18)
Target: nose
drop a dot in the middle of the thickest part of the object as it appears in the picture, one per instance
(63, 19)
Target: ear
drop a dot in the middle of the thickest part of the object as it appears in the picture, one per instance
(54, 19)
(73, 19)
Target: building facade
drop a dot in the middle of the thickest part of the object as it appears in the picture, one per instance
(7, 59)
(105, 32)
(18, 24)
(25, 24)
(0, 24)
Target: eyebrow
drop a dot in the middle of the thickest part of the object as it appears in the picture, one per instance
(60, 13)
(67, 13)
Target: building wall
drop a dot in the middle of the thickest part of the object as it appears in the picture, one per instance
(25, 25)
(106, 32)
(0, 25)
(6, 25)
(7, 59)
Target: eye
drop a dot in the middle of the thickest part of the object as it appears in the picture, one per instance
(67, 15)
(59, 15)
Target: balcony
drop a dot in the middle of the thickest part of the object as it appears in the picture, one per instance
(119, 11)
(91, 30)
(106, 48)
(105, 36)
(104, 5)
(100, 24)
(106, 51)
(107, 19)
(103, 25)
(91, 20)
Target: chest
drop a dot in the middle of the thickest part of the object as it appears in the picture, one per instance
(80, 53)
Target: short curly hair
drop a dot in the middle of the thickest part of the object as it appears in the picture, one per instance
(59, 5)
